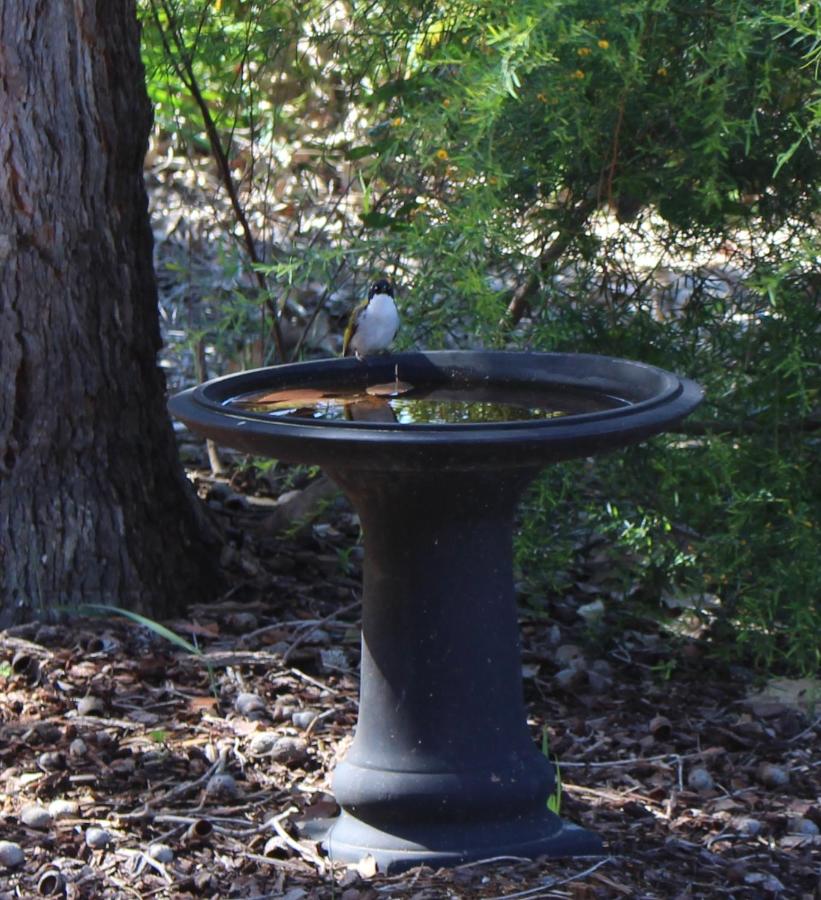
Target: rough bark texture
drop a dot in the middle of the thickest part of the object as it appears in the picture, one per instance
(93, 504)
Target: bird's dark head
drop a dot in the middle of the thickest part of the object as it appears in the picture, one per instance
(380, 287)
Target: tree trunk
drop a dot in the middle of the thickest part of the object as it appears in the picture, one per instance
(94, 506)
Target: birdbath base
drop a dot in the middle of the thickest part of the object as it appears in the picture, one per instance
(443, 768)
(350, 840)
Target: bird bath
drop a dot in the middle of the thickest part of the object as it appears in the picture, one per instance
(442, 769)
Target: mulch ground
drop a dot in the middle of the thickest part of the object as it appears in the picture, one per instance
(130, 768)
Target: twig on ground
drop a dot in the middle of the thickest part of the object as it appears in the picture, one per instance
(632, 761)
(305, 852)
(542, 888)
(300, 639)
(145, 812)
(493, 859)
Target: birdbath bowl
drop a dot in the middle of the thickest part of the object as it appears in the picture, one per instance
(434, 450)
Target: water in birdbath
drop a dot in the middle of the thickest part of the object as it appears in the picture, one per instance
(445, 403)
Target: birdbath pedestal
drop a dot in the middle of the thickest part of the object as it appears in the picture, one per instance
(443, 769)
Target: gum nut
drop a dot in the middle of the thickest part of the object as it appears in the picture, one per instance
(90, 706)
(51, 761)
(222, 785)
(51, 883)
(11, 855)
(772, 776)
(35, 816)
(77, 747)
(63, 809)
(161, 852)
(304, 718)
(700, 780)
(289, 750)
(249, 705)
(747, 826)
(661, 727)
(97, 838)
(262, 743)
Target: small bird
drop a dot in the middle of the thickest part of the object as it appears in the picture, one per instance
(373, 323)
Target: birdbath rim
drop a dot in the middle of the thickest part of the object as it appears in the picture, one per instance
(652, 399)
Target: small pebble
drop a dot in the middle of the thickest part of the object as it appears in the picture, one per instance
(35, 816)
(568, 678)
(242, 622)
(222, 785)
(766, 882)
(570, 654)
(11, 855)
(700, 780)
(772, 776)
(251, 706)
(103, 739)
(334, 659)
(161, 852)
(77, 748)
(63, 809)
(803, 826)
(602, 666)
(97, 838)
(304, 718)
(590, 612)
(90, 706)
(598, 683)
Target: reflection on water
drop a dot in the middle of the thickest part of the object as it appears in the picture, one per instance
(441, 404)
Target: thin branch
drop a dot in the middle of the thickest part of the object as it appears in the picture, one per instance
(520, 300)
(183, 66)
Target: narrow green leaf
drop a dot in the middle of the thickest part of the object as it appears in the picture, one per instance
(99, 609)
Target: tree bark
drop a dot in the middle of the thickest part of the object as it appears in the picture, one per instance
(94, 506)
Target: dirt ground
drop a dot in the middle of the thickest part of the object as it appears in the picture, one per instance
(131, 768)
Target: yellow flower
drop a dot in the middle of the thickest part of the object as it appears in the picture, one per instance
(397, 121)
(578, 74)
(584, 51)
(603, 44)
(662, 70)
(541, 97)
(441, 153)
(493, 180)
(446, 102)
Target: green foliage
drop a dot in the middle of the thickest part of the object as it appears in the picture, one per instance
(520, 120)
(728, 510)
(554, 801)
(637, 179)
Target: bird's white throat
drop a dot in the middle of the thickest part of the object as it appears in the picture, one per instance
(376, 325)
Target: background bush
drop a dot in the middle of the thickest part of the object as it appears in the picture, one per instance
(637, 179)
